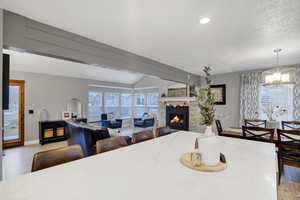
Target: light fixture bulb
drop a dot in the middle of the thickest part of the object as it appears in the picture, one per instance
(204, 20)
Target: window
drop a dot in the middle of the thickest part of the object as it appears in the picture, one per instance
(146, 103)
(111, 103)
(140, 103)
(94, 106)
(152, 99)
(273, 96)
(126, 105)
(140, 100)
(153, 103)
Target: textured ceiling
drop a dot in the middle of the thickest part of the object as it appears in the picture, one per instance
(241, 36)
(27, 62)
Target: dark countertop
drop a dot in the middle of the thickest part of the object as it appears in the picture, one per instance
(89, 126)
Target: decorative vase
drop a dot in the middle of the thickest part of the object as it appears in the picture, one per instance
(210, 151)
(209, 131)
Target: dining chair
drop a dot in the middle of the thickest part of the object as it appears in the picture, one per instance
(290, 125)
(219, 127)
(142, 136)
(258, 133)
(256, 122)
(109, 144)
(288, 149)
(123, 140)
(233, 132)
(50, 158)
(162, 131)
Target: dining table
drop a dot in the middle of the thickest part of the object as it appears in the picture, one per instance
(151, 170)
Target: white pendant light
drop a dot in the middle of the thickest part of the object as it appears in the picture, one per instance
(279, 75)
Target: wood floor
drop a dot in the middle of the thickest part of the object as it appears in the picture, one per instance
(18, 161)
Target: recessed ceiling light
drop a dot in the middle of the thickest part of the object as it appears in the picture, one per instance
(204, 20)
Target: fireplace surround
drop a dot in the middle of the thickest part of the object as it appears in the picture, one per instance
(177, 117)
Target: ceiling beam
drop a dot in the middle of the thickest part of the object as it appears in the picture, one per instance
(24, 34)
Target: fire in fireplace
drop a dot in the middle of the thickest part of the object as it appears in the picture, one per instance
(177, 117)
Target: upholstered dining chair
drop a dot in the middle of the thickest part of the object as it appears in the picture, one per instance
(142, 136)
(288, 148)
(122, 140)
(258, 133)
(45, 159)
(290, 125)
(108, 144)
(162, 131)
(256, 122)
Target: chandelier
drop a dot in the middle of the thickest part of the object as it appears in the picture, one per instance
(279, 75)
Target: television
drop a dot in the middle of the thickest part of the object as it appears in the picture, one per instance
(5, 79)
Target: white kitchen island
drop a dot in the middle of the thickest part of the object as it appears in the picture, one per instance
(151, 171)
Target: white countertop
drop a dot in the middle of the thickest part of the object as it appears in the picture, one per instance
(151, 171)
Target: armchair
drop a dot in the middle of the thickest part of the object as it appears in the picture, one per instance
(143, 123)
(114, 124)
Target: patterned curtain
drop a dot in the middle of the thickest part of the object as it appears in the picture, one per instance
(297, 95)
(249, 95)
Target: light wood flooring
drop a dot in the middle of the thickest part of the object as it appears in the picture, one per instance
(18, 161)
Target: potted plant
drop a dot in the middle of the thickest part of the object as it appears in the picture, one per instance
(210, 155)
(206, 99)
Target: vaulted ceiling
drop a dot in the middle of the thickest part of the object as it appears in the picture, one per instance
(241, 35)
(27, 62)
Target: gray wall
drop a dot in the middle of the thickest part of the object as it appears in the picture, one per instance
(53, 93)
(1, 31)
(32, 36)
(232, 107)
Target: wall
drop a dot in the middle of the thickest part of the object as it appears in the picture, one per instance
(1, 44)
(232, 107)
(52, 93)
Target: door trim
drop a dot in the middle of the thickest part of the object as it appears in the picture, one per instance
(19, 141)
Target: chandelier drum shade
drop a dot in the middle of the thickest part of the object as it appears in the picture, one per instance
(279, 75)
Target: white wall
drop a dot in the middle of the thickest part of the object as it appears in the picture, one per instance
(153, 84)
(52, 93)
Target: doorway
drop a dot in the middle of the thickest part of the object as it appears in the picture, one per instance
(14, 117)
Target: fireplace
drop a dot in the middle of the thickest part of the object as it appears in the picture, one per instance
(177, 117)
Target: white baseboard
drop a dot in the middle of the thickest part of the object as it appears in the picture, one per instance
(30, 142)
